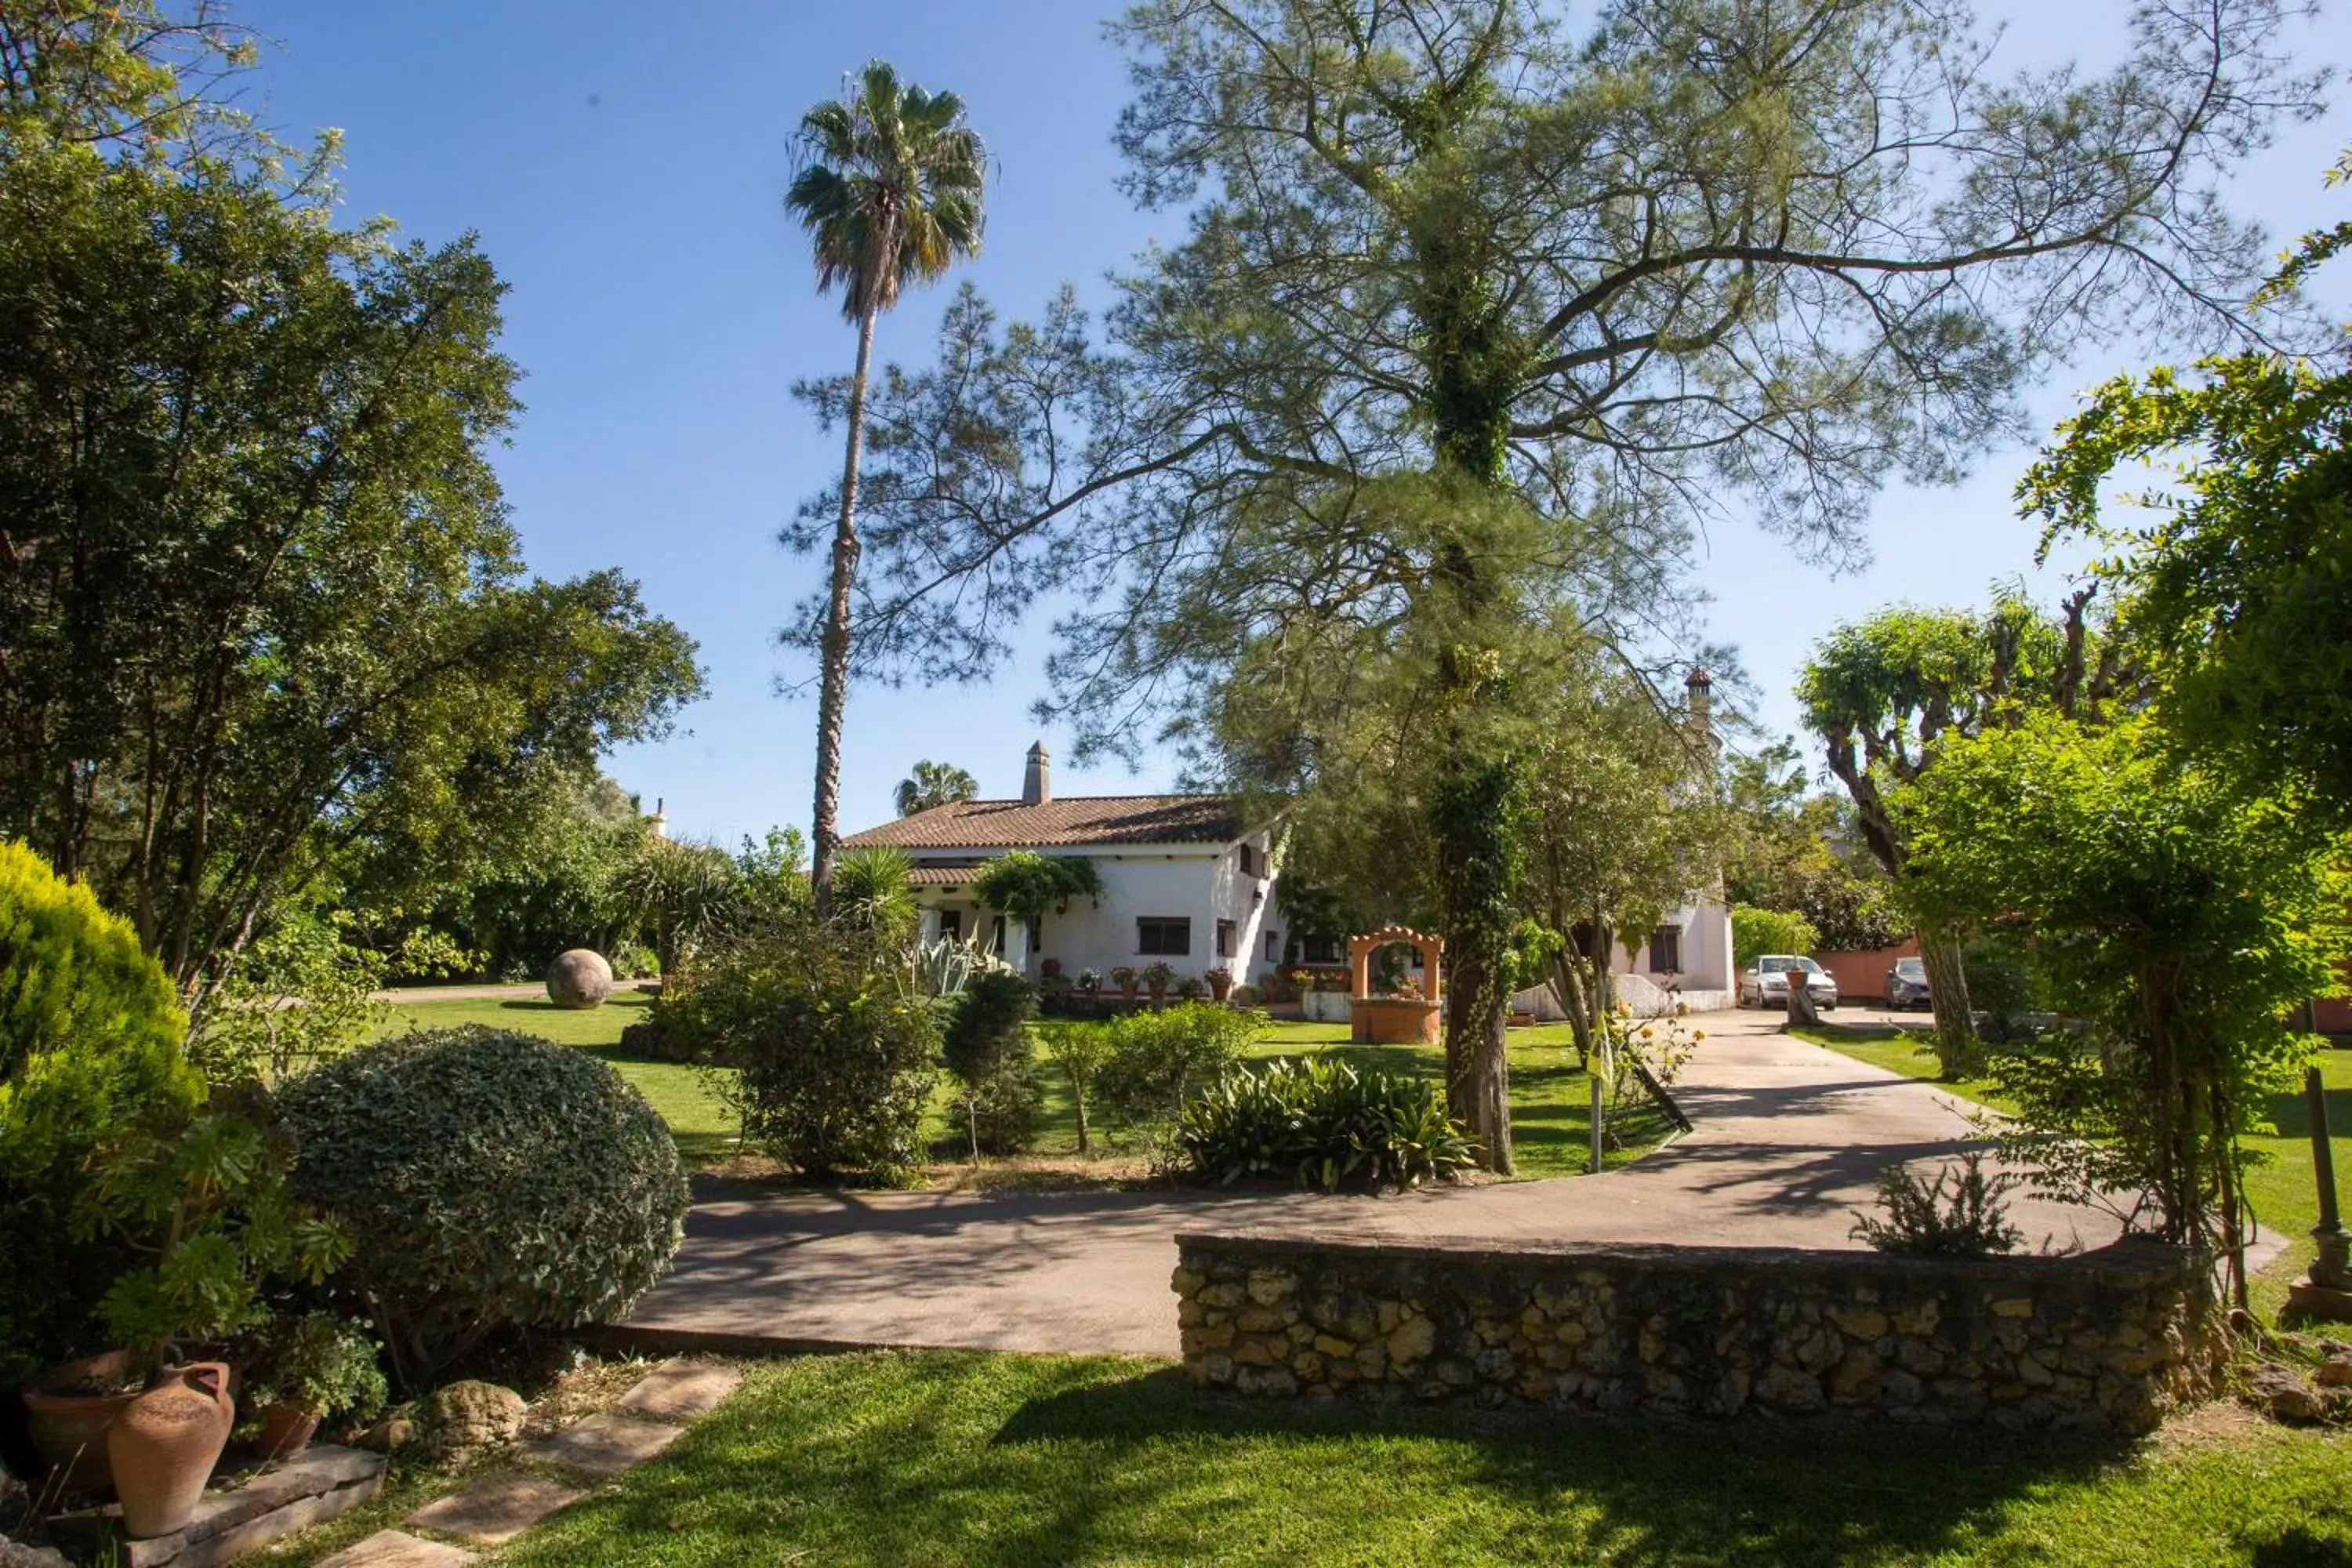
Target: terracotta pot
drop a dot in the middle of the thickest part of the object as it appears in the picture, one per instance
(286, 1429)
(165, 1445)
(69, 1430)
(1220, 989)
(1127, 990)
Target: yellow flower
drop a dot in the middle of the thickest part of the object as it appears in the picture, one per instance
(1698, 1033)
(1646, 1034)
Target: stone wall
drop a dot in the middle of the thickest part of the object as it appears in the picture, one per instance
(2098, 1341)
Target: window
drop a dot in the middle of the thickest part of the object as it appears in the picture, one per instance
(1666, 951)
(1274, 947)
(952, 925)
(1249, 859)
(1318, 950)
(1225, 939)
(1163, 937)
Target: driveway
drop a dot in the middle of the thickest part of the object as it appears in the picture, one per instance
(1790, 1138)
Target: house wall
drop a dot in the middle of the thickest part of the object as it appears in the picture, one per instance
(1201, 883)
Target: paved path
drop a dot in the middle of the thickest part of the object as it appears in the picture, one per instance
(1791, 1139)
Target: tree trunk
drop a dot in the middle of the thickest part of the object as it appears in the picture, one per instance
(832, 688)
(1948, 992)
(1478, 1078)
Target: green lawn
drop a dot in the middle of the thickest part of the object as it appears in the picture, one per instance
(2282, 1187)
(948, 1457)
(1550, 1097)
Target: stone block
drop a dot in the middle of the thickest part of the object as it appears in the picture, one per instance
(1410, 1339)
(604, 1445)
(319, 1484)
(681, 1390)
(496, 1507)
(397, 1548)
(1268, 1286)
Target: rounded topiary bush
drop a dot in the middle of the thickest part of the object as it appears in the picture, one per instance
(488, 1179)
(90, 1031)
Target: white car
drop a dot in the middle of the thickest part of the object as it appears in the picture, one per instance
(1765, 982)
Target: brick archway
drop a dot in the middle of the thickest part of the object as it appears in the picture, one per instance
(1394, 1020)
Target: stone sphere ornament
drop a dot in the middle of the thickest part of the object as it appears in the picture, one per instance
(579, 979)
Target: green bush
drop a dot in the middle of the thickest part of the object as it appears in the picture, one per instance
(1319, 1123)
(1159, 1058)
(1756, 931)
(91, 1036)
(986, 1047)
(832, 1040)
(486, 1178)
(1958, 1215)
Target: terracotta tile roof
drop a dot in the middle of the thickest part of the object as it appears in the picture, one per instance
(1096, 819)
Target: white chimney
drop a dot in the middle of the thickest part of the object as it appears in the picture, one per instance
(660, 824)
(1034, 778)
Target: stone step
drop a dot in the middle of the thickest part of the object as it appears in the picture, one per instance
(321, 1483)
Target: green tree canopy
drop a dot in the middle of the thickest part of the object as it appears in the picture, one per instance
(930, 783)
(2180, 918)
(2240, 588)
(1587, 284)
(262, 600)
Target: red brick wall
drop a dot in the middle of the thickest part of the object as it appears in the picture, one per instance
(1863, 974)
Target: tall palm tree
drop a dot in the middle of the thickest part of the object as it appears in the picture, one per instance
(889, 190)
(934, 783)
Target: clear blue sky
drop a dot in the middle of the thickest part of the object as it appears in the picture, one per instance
(624, 164)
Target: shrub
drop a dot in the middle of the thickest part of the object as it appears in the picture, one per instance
(986, 1047)
(1756, 931)
(1958, 1215)
(1158, 1059)
(486, 1178)
(208, 1204)
(832, 1041)
(1319, 1123)
(1080, 1052)
(315, 1361)
(89, 1048)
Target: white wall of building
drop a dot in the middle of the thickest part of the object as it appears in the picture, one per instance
(1202, 884)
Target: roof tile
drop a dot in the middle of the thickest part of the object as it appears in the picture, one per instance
(1078, 820)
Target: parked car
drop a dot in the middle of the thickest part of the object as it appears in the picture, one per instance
(1766, 983)
(1907, 984)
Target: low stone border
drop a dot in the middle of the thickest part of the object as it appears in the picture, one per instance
(2104, 1340)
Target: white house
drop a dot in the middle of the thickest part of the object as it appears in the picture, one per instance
(1185, 881)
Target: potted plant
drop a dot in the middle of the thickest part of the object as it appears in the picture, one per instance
(207, 1202)
(1189, 988)
(301, 1371)
(1089, 982)
(1156, 977)
(1123, 977)
(1220, 982)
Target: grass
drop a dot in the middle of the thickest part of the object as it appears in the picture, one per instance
(1550, 1096)
(2283, 1186)
(953, 1457)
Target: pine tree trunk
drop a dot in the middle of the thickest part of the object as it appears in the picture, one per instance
(1478, 1087)
(1947, 993)
(833, 689)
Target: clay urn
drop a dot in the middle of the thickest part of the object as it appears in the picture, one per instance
(165, 1445)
